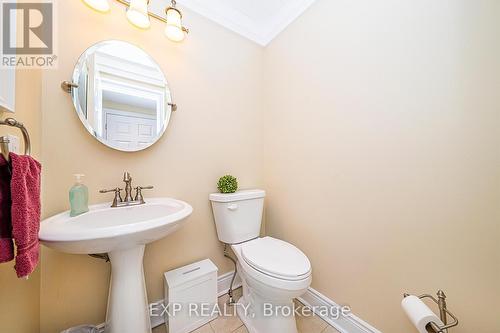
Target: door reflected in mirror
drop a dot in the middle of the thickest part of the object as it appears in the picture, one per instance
(122, 98)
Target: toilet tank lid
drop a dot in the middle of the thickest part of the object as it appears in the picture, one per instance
(237, 196)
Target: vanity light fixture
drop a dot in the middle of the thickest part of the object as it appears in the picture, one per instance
(138, 15)
(174, 29)
(99, 5)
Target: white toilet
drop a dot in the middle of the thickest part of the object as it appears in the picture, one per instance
(273, 272)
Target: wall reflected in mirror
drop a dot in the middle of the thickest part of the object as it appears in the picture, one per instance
(122, 98)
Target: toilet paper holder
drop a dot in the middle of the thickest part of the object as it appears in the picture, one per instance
(443, 313)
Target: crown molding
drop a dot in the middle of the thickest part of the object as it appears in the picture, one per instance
(261, 33)
(284, 18)
(225, 16)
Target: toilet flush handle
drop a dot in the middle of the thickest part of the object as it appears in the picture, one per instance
(232, 207)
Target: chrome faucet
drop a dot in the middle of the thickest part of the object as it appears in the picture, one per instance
(128, 201)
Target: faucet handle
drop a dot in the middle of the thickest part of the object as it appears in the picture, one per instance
(117, 198)
(116, 190)
(138, 193)
(112, 190)
(145, 187)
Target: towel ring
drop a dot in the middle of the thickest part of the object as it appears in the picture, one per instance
(4, 141)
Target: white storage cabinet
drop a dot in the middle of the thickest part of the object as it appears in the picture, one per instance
(191, 287)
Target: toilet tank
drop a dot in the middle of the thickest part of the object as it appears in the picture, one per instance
(238, 215)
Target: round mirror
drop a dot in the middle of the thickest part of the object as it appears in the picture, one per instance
(121, 95)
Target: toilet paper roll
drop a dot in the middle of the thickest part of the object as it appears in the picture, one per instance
(420, 315)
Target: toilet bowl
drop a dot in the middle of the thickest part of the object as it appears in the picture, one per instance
(273, 272)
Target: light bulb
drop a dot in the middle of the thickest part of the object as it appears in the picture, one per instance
(99, 5)
(174, 30)
(137, 13)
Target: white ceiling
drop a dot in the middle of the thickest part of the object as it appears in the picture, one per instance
(258, 20)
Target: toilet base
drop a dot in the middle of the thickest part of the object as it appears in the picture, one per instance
(241, 305)
(256, 322)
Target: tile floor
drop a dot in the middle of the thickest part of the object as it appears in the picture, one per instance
(233, 324)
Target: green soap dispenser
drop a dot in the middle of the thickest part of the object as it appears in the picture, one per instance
(79, 197)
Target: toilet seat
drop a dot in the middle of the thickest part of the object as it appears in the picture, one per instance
(276, 258)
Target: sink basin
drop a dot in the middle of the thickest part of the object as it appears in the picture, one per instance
(104, 229)
(123, 233)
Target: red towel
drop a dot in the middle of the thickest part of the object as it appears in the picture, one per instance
(6, 244)
(26, 209)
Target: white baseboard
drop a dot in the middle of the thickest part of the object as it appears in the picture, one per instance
(344, 324)
(224, 281)
(313, 298)
(101, 328)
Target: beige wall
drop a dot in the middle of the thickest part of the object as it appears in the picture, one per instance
(382, 154)
(215, 78)
(378, 146)
(19, 298)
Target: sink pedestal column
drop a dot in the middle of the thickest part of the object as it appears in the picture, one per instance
(128, 309)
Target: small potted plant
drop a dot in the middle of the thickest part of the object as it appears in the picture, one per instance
(227, 184)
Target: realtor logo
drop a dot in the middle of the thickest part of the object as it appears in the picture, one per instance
(33, 45)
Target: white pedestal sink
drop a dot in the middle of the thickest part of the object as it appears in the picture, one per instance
(122, 233)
